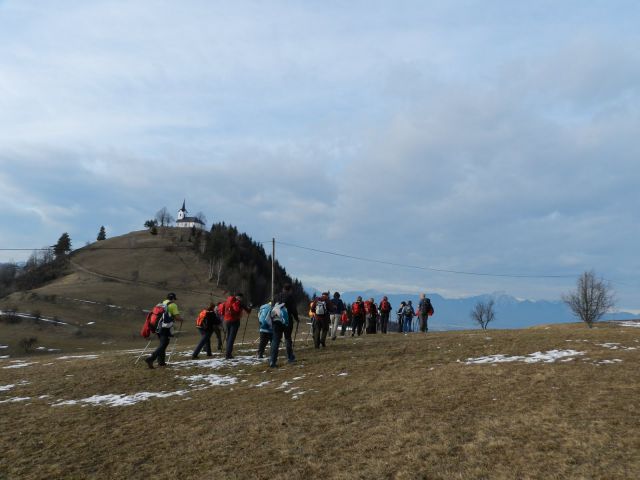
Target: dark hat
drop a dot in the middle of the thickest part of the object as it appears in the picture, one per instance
(171, 296)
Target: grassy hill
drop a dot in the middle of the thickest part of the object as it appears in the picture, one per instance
(447, 405)
(108, 285)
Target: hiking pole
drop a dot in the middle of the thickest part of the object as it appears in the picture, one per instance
(175, 343)
(295, 334)
(245, 327)
(143, 351)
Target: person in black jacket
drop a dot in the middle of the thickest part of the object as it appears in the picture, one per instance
(336, 314)
(210, 324)
(286, 297)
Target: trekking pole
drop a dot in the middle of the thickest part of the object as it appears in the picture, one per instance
(295, 334)
(245, 328)
(175, 343)
(143, 352)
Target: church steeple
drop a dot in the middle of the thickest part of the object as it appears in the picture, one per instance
(183, 211)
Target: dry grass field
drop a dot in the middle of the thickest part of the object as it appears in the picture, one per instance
(394, 406)
(553, 402)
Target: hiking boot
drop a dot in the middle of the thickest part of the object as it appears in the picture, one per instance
(228, 357)
(194, 357)
(149, 362)
(273, 365)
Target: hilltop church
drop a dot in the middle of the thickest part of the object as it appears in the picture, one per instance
(183, 221)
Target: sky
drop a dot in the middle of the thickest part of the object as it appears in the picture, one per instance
(490, 137)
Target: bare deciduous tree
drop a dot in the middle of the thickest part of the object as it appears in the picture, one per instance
(483, 313)
(592, 298)
(163, 217)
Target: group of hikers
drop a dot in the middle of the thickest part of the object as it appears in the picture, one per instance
(329, 315)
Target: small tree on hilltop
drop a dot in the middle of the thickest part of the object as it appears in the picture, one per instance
(592, 298)
(63, 246)
(152, 225)
(483, 313)
(164, 217)
(102, 234)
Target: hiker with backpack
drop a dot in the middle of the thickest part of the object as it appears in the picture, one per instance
(265, 328)
(283, 324)
(400, 316)
(344, 319)
(371, 315)
(232, 311)
(408, 313)
(385, 309)
(207, 323)
(336, 314)
(425, 310)
(322, 309)
(357, 316)
(166, 314)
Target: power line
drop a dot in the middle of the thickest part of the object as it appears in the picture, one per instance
(417, 267)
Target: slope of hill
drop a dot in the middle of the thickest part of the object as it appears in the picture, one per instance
(549, 402)
(100, 303)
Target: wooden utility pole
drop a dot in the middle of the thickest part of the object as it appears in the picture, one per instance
(273, 269)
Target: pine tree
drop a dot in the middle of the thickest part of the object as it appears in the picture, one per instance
(63, 246)
(102, 234)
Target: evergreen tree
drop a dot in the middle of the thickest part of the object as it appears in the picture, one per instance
(102, 234)
(63, 246)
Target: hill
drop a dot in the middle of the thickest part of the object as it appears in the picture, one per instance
(99, 299)
(548, 402)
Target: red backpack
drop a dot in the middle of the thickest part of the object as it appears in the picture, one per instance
(356, 308)
(385, 306)
(153, 319)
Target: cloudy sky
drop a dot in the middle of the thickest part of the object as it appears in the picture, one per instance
(484, 136)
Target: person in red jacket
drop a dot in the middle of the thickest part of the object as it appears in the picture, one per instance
(357, 316)
(232, 311)
(371, 315)
(385, 309)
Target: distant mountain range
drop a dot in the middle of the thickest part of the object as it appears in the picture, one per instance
(454, 313)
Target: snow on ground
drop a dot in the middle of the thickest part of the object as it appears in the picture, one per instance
(120, 400)
(210, 380)
(19, 364)
(6, 388)
(262, 384)
(629, 324)
(45, 349)
(544, 357)
(2, 357)
(15, 399)
(614, 346)
(215, 363)
(3, 346)
(32, 317)
(73, 357)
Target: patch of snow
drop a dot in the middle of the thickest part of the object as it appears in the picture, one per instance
(614, 346)
(91, 323)
(629, 324)
(20, 365)
(262, 384)
(545, 357)
(283, 385)
(297, 378)
(297, 395)
(343, 374)
(73, 357)
(4, 356)
(211, 380)
(608, 362)
(48, 349)
(216, 363)
(120, 400)
(3, 346)
(6, 388)
(15, 399)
